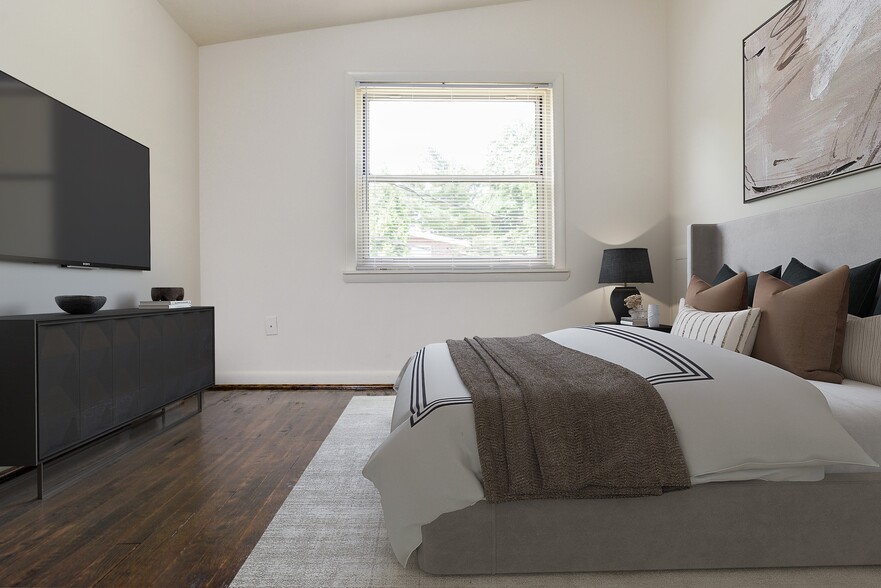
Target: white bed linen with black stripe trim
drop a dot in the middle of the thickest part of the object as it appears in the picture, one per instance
(736, 418)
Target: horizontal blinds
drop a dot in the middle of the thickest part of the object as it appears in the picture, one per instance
(454, 177)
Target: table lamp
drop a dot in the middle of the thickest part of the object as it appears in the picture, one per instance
(622, 266)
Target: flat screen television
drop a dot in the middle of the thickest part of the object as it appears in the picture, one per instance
(73, 191)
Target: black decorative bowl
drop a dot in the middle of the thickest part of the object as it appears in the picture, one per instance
(167, 293)
(80, 304)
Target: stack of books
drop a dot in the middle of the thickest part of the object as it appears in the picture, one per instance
(632, 322)
(164, 304)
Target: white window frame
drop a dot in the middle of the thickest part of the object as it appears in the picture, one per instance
(558, 272)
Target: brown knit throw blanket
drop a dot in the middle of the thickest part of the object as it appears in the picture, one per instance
(553, 422)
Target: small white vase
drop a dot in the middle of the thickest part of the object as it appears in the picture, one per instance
(654, 315)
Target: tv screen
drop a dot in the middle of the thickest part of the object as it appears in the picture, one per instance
(72, 191)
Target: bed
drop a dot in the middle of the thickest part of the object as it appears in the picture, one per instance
(723, 524)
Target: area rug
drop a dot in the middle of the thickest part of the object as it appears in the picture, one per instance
(329, 532)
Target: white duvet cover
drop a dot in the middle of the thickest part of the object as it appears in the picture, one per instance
(736, 418)
(857, 406)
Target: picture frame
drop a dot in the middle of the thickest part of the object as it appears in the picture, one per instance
(811, 96)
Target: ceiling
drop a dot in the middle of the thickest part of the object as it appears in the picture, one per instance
(218, 21)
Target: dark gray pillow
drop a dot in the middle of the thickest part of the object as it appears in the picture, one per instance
(863, 284)
(798, 273)
(726, 273)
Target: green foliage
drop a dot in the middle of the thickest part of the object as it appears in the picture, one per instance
(467, 219)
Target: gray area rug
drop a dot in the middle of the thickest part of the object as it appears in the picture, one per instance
(329, 532)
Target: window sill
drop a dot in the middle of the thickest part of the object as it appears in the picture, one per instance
(544, 275)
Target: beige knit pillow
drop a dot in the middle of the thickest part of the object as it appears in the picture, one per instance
(861, 359)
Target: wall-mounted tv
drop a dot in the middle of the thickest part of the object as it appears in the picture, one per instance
(73, 191)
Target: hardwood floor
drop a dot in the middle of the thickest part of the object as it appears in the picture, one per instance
(183, 507)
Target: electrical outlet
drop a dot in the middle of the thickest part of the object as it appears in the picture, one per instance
(271, 324)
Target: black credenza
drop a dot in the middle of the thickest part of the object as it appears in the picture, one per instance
(67, 379)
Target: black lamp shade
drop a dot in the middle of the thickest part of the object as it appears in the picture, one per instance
(620, 266)
(626, 265)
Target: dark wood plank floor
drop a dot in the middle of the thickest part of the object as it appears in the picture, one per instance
(180, 507)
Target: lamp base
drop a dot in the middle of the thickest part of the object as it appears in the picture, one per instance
(616, 300)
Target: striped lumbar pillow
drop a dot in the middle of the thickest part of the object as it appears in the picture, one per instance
(861, 357)
(735, 331)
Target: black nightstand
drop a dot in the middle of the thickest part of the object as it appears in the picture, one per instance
(662, 328)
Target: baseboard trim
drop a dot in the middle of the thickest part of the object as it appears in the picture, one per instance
(335, 379)
(343, 387)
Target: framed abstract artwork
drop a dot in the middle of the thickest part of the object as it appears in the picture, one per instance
(811, 104)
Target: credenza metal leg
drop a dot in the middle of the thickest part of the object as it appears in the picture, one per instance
(40, 481)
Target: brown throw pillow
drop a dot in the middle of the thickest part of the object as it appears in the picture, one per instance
(802, 328)
(725, 297)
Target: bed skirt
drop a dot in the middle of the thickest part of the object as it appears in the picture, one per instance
(750, 524)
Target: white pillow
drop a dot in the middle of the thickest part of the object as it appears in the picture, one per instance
(735, 331)
(861, 357)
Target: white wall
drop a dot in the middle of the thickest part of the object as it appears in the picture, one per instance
(273, 193)
(706, 123)
(128, 65)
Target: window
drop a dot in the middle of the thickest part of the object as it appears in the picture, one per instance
(454, 177)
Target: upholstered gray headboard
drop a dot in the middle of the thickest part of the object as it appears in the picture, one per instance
(823, 235)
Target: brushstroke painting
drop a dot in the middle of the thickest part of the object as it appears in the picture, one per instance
(811, 107)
